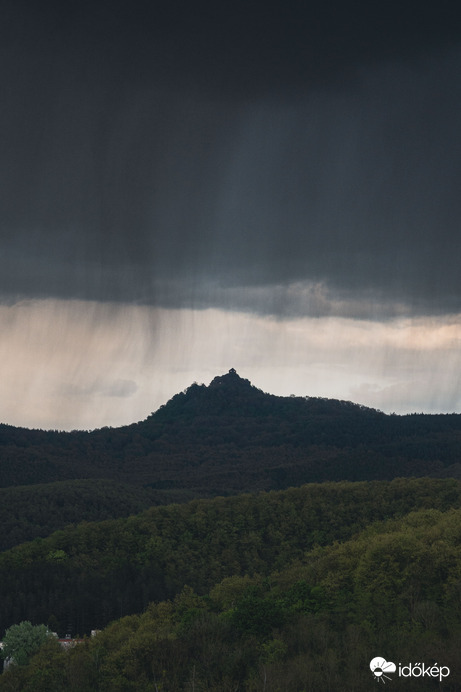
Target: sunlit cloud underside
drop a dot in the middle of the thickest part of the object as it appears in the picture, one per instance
(82, 365)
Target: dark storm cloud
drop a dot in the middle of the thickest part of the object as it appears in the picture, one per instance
(224, 154)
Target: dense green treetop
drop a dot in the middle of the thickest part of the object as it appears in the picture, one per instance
(22, 641)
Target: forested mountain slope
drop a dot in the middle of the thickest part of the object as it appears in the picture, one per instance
(35, 511)
(314, 625)
(87, 575)
(269, 590)
(231, 437)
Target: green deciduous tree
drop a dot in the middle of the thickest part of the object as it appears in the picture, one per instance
(22, 641)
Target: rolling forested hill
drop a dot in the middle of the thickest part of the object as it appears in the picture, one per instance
(231, 437)
(287, 591)
(34, 511)
(86, 575)
(223, 439)
(235, 540)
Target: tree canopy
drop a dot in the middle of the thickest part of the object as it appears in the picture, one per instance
(22, 641)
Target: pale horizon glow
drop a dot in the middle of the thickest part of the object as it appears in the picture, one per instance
(82, 365)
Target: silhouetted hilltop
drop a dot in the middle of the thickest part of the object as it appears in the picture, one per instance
(231, 394)
(230, 436)
(226, 394)
(232, 382)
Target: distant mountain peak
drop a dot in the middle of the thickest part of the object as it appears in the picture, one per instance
(231, 381)
(227, 393)
(231, 376)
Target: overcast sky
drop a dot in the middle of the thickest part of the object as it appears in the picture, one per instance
(189, 187)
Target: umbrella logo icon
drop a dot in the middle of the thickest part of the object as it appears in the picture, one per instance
(380, 668)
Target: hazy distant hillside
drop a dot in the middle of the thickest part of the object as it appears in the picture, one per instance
(231, 437)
